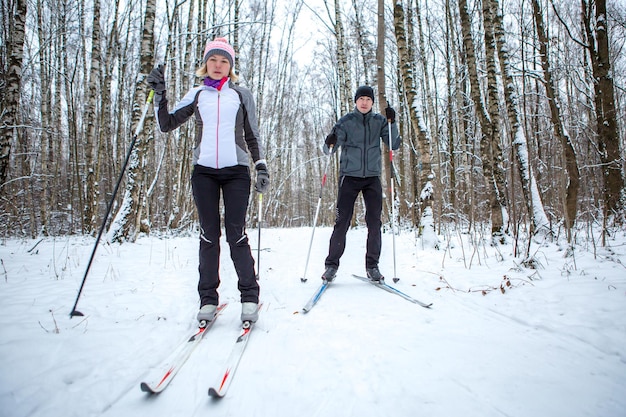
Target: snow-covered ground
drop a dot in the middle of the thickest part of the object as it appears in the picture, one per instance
(553, 343)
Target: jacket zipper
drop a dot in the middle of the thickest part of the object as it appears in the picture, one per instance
(364, 145)
(217, 133)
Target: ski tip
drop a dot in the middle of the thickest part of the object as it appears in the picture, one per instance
(146, 388)
(213, 393)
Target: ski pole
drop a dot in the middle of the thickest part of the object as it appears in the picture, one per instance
(393, 213)
(317, 211)
(258, 250)
(74, 312)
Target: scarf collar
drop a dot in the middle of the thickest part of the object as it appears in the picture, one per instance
(217, 84)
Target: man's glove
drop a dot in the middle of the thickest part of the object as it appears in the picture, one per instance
(331, 139)
(262, 179)
(391, 114)
(156, 80)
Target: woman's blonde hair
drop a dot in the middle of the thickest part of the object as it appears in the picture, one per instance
(202, 73)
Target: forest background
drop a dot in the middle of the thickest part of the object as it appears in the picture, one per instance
(511, 111)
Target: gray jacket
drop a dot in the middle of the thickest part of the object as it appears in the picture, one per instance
(359, 137)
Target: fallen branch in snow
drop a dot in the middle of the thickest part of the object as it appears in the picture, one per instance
(33, 248)
(505, 285)
(77, 324)
(441, 278)
(56, 327)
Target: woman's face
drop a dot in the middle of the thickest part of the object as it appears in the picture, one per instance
(217, 67)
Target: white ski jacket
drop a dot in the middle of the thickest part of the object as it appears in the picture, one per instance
(226, 124)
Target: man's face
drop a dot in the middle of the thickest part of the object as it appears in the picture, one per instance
(364, 104)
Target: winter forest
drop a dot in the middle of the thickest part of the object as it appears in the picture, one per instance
(506, 198)
(511, 111)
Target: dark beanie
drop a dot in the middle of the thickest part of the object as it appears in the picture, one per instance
(364, 90)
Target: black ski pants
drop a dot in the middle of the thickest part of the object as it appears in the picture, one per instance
(349, 189)
(234, 185)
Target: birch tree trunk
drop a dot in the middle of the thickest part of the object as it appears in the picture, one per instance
(425, 172)
(530, 190)
(363, 44)
(180, 207)
(9, 113)
(127, 222)
(259, 71)
(380, 54)
(108, 118)
(381, 81)
(345, 82)
(45, 63)
(427, 94)
(490, 143)
(452, 121)
(90, 209)
(59, 152)
(569, 154)
(411, 134)
(71, 118)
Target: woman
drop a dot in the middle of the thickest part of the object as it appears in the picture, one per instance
(226, 134)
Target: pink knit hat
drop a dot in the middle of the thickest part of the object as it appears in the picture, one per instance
(220, 46)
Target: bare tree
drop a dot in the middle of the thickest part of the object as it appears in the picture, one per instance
(345, 81)
(569, 154)
(11, 78)
(365, 48)
(179, 142)
(92, 156)
(596, 30)
(458, 108)
(46, 133)
(128, 220)
(494, 36)
(424, 170)
(107, 115)
(490, 143)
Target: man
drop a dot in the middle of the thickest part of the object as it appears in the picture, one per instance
(359, 135)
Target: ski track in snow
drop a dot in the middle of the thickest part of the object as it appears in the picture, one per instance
(551, 345)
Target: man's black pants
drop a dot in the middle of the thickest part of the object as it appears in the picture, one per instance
(349, 189)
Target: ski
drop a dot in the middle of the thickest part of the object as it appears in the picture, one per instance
(383, 285)
(160, 378)
(316, 297)
(226, 377)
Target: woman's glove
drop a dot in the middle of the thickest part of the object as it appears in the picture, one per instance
(262, 178)
(156, 80)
